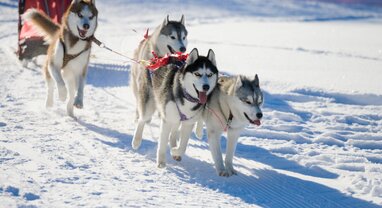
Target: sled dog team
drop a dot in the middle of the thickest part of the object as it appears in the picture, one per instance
(183, 93)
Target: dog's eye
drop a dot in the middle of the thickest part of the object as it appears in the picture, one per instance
(91, 17)
(80, 15)
(209, 75)
(245, 100)
(184, 38)
(197, 74)
(260, 100)
(173, 37)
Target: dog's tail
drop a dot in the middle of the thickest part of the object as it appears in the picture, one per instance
(42, 23)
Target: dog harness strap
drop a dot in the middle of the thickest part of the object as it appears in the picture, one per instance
(189, 97)
(68, 57)
(182, 116)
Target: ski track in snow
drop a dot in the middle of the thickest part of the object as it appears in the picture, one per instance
(315, 148)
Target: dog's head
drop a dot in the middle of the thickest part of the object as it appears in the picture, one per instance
(172, 37)
(200, 74)
(82, 18)
(246, 97)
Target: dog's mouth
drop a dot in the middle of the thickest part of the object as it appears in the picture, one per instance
(202, 96)
(256, 122)
(172, 51)
(82, 33)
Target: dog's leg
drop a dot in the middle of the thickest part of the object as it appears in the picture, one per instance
(78, 102)
(71, 85)
(145, 113)
(49, 91)
(174, 136)
(56, 74)
(137, 139)
(185, 133)
(232, 137)
(214, 145)
(165, 129)
(199, 129)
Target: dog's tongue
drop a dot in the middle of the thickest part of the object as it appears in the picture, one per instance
(82, 32)
(256, 122)
(203, 97)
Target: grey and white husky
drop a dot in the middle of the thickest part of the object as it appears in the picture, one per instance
(69, 50)
(233, 105)
(180, 96)
(168, 38)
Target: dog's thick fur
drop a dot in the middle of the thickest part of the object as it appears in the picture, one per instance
(242, 98)
(169, 37)
(69, 50)
(182, 93)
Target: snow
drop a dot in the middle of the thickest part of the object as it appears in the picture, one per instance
(320, 144)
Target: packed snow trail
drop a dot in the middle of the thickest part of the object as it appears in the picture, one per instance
(320, 144)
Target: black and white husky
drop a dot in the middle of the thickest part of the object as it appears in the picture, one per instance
(69, 50)
(180, 96)
(168, 38)
(233, 105)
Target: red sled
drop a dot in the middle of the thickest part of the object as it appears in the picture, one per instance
(30, 43)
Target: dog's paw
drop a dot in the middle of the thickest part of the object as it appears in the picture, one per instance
(177, 158)
(231, 171)
(161, 164)
(78, 103)
(49, 103)
(223, 173)
(136, 143)
(69, 110)
(62, 93)
(227, 173)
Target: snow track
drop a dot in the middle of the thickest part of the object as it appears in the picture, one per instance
(319, 144)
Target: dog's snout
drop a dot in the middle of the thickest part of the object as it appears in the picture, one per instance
(182, 49)
(86, 26)
(259, 115)
(206, 87)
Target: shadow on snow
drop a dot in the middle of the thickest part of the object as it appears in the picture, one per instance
(108, 75)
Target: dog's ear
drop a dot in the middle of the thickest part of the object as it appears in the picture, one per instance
(165, 21)
(238, 83)
(192, 56)
(234, 87)
(182, 20)
(211, 57)
(256, 81)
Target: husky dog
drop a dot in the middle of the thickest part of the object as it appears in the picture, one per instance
(233, 105)
(69, 50)
(180, 95)
(168, 38)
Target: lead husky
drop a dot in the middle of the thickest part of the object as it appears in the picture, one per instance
(180, 95)
(233, 105)
(69, 50)
(169, 37)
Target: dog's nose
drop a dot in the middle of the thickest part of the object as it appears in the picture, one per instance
(206, 87)
(86, 26)
(259, 115)
(182, 49)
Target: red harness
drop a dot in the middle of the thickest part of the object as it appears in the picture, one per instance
(157, 62)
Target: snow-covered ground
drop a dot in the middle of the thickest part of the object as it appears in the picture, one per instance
(320, 144)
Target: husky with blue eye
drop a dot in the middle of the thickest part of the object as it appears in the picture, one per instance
(69, 50)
